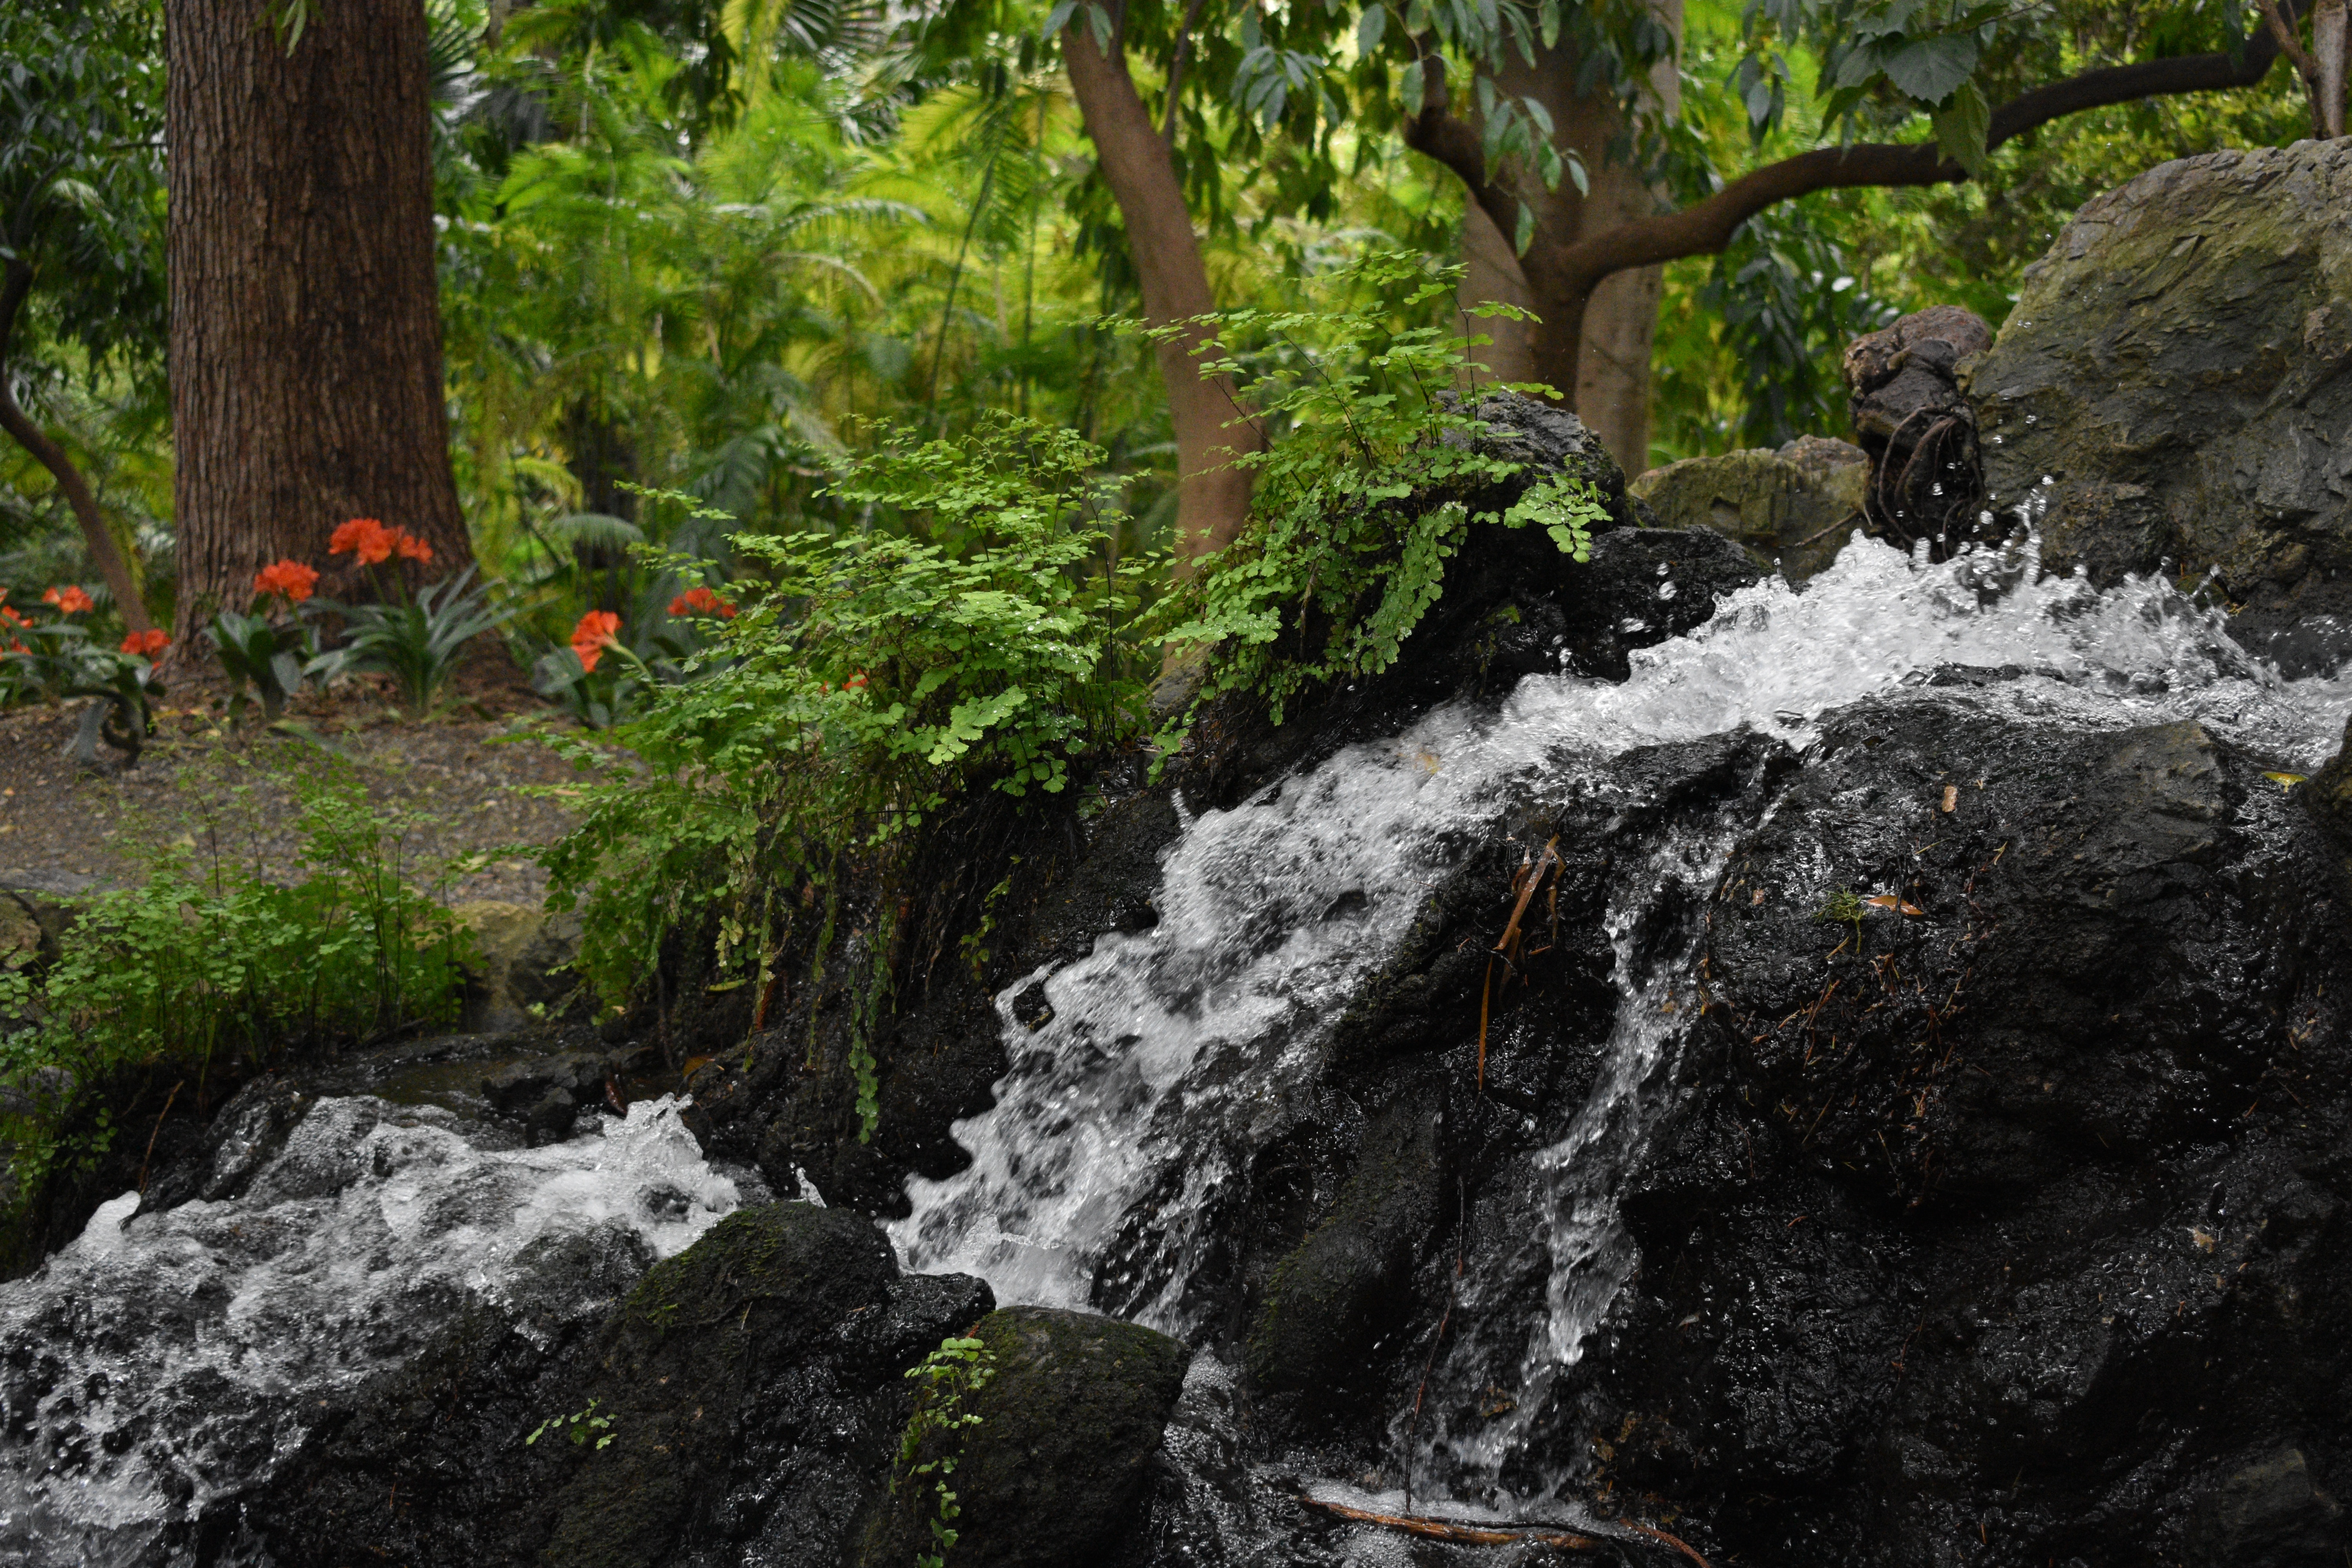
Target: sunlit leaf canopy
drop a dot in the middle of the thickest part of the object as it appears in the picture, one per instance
(705, 245)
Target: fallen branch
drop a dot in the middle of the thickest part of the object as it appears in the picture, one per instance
(1676, 1542)
(1457, 1530)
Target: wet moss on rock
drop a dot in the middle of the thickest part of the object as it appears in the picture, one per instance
(1052, 1475)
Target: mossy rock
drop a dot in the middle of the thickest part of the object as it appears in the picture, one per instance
(1796, 506)
(762, 1293)
(2176, 366)
(1334, 1295)
(1052, 1475)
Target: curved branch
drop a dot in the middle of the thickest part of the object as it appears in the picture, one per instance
(1436, 132)
(1706, 227)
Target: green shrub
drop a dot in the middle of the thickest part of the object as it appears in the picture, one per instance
(219, 957)
(1379, 472)
(972, 638)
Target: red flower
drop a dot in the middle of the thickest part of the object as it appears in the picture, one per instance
(593, 635)
(69, 600)
(411, 548)
(855, 682)
(359, 536)
(703, 601)
(148, 643)
(289, 578)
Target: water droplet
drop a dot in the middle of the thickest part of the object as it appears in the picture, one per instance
(1662, 565)
(1665, 590)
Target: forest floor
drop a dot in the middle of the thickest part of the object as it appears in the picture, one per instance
(458, 780)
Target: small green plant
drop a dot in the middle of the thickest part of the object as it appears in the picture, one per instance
(1842, 908)
(224, 950)
(583, 1428)
(1372, 487)
(272, 655)
(932, 1445)
(419, 642)
(54, 660)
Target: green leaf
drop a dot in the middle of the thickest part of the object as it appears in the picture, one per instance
(1929, 70)
(1369, 29)
(1960, 128)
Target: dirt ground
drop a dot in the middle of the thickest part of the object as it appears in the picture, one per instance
(460, 773)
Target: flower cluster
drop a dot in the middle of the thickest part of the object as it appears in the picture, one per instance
(69, 600)
(374, 544)
(702, 601)
(9, 621)
(593, 635)
(289, 578)
(147, 644)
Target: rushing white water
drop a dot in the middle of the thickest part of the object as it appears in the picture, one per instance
(1171, 1055)
(159, 1362)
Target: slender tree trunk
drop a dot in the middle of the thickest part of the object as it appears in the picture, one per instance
(306, 325)
(1595, 345)
(1211, 427)
(108, 560)
(2329, 41)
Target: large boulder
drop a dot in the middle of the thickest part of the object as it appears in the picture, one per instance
(2176, 366)
(1050, 1474)
(1795, 507)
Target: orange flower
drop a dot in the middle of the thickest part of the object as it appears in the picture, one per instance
(148, 643)
(411, 548)
(289, 578)
(703, 601)
(69, 600)
(363, 537)
(593, 635)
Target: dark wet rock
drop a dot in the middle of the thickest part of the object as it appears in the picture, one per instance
(1344, 1288)
(1069, 1423)
(2175, 363)
(2269, 1513)
(2027, 1212)
(751, 1389)
(1795, 508)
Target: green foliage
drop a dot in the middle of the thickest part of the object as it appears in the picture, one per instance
(52, 659)
(1359, 506)
(217, 953)
(272, 654)
(969, 638)
(932, 1443)
(581, 1427)
(419, 643)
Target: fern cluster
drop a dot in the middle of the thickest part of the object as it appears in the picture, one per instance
(1380, 472)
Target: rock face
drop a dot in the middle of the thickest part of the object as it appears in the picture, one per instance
(749, 1388)
(1795, 507)
(2177, 365)
(1049, 1477)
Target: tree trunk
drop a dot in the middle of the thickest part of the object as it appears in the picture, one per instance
(306, 321)
(1211, 427)
(2329, 41)
(103, 554)
(1595, 346)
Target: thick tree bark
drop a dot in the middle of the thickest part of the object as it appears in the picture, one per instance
(1564, 270)
(306, 325)
(95, 534)
(1211, 427)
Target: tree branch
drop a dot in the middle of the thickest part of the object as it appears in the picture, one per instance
(52, 457)
(1706, 227)
(1439, 134)
(2283, 32)
(1176, 66)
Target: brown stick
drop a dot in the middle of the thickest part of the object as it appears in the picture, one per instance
(52, 457)
(158, 1133)
(1677, 1543)
(1456, 1530)
(2306, 67)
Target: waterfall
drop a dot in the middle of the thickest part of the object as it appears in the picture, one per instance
(163, 1360)
(1168, 1058)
